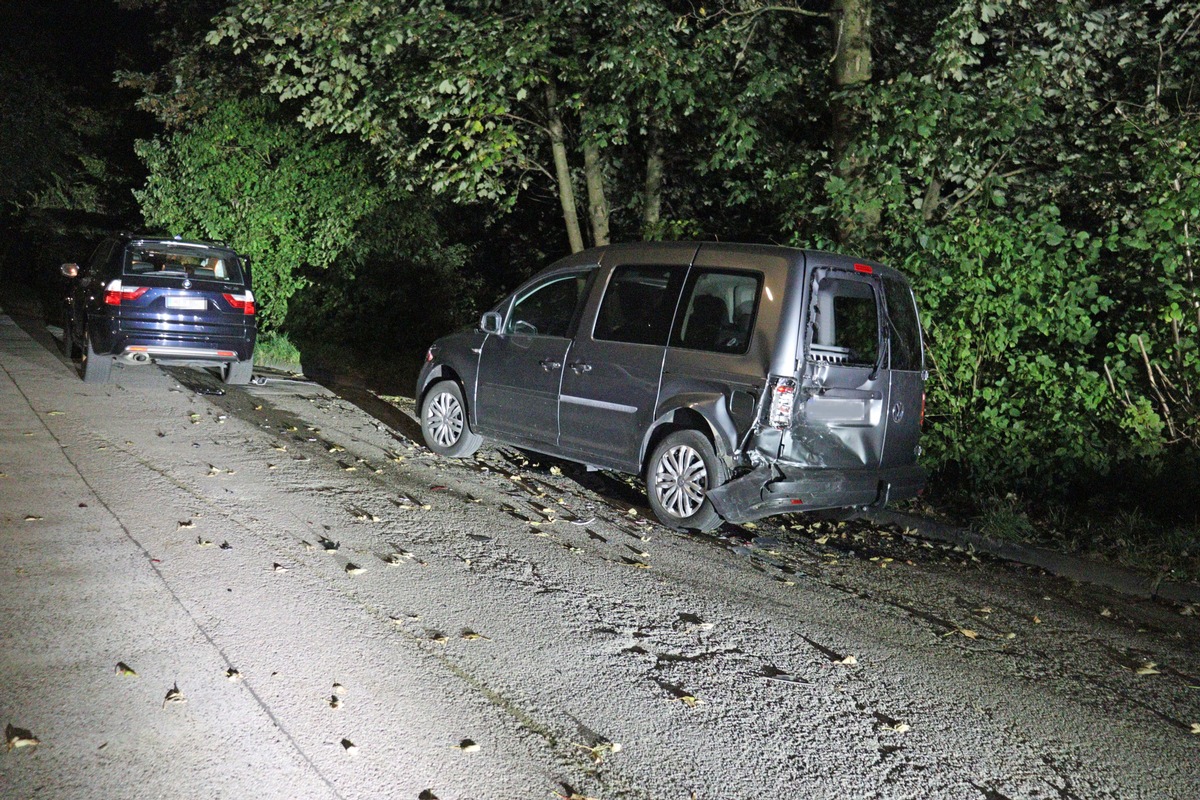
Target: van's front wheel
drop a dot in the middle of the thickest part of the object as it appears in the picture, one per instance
(681, 471)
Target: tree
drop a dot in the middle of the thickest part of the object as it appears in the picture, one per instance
(287, 197)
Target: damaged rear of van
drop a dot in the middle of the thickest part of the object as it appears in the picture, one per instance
(844, 399)
(740, 381)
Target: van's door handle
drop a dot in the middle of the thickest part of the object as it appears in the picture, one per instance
(548, 365)
(580, 367)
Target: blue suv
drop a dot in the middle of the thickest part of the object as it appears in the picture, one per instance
(148, 299)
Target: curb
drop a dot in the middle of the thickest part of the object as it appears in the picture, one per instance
(1108, 576)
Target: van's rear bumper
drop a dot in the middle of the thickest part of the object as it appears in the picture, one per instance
(770, 489)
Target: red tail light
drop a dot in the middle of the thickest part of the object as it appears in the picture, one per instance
(864, 268)
(241, 302)
(114, 293)
(783, 400)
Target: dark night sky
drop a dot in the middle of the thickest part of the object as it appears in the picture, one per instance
(81, 41)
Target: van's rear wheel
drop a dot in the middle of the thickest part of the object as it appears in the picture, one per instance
(681, 471)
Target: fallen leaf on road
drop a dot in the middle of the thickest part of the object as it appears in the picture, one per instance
(277, 567)
(32, 518)
(467, 746)
(232, 675)
(124, 669)
(349, 747)
(472, 636)
(186, 524)
(200, 540)
(1148, 668)
(689, 701)
(899, 727)
(555, 471)
(54, 413)
(15, 737)
(225, 546)
(353, 569)
(335, 701)
(1037, 620)
(1196, 728)
(598, 752)
(1106, 613)
(848, 661)
(327, 545)
(174, 696)
(967, 632)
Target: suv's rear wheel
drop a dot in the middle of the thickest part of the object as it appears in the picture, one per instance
(681, 471)
(444, 422)
(96, 368)
(238, 373)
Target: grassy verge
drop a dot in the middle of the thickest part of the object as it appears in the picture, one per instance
(1130, 536)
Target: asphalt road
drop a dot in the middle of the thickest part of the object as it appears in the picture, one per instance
(190, 579)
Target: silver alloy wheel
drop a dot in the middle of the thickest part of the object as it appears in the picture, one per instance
(680, 480)
(444, 419)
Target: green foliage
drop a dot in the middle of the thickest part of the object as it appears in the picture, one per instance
(401, 286)
(287, 197)
(1034, 168)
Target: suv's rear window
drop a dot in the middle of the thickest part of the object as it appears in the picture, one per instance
(188, 260)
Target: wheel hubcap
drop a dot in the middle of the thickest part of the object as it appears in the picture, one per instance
(444, 419)
(680, 479)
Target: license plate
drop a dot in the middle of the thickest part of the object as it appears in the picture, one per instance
(187, 303)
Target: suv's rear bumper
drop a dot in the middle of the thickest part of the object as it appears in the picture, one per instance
(771, 489)
(178, 344)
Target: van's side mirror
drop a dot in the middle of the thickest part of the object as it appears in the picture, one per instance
(491, 322)
(70, 270)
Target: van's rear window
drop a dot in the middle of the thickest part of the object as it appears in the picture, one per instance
(906, 328)
(194, 262)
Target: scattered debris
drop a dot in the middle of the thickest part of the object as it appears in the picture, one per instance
(353, 569)
(232, 675)
(174, 696)
(467, 746)
(125, 670)
(15, 737)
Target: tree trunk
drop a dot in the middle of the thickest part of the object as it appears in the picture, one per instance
(652, 194)
(562, 171)
(851, 71)
(593, 170)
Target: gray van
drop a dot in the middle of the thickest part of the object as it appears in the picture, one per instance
(739, 381)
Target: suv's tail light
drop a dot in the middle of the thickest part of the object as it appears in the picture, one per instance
(114, 293)
(243, 302)
(783, 401)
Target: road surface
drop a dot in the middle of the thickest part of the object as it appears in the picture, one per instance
(190, 579)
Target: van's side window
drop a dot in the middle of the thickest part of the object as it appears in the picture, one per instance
(549, 309)
(639, 304)
(718, 311)
(846, 323)
(905, 328)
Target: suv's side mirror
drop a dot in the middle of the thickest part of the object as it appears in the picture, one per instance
(70, 270)
(491, 322)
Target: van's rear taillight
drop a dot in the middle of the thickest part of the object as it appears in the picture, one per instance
(922, 409)
(114, 293)
(243, 302)
(783, 402)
